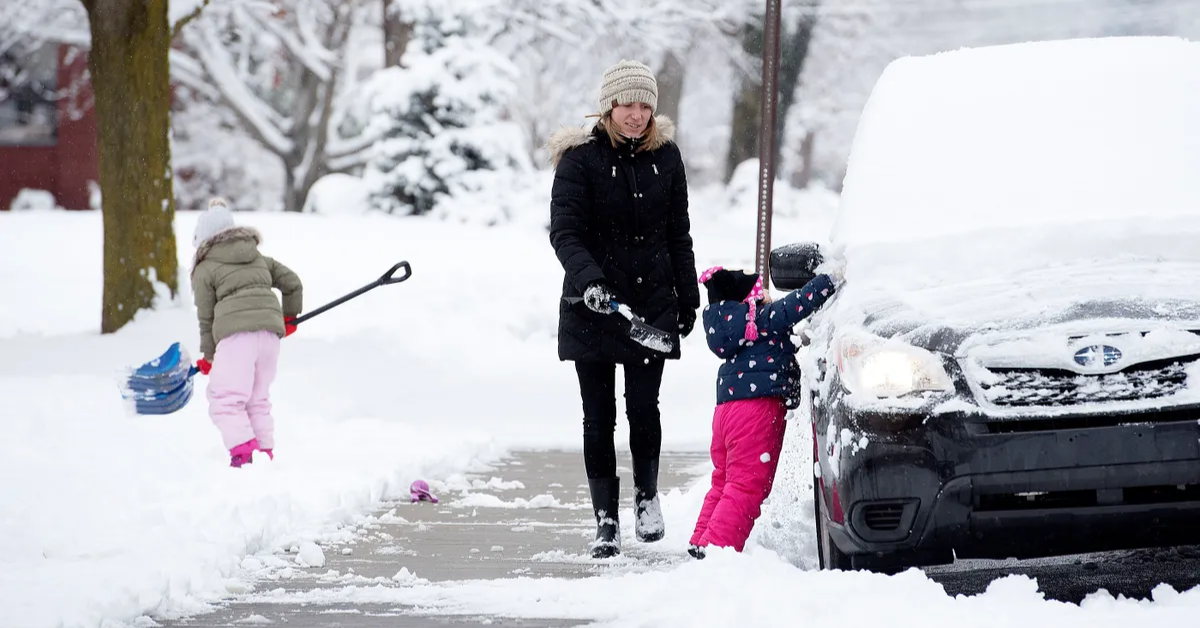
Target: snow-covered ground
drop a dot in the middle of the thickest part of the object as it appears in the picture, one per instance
(760, 589)
(107, 515)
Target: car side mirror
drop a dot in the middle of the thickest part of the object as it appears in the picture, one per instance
(794, 265)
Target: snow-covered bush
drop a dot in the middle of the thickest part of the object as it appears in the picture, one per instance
(337, 194)
(442, 119)
(29, 199)
(504, 197)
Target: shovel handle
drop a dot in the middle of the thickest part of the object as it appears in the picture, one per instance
(616, 307)
(387, 278)
(624, 311)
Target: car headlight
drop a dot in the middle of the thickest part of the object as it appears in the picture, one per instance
(882, 368)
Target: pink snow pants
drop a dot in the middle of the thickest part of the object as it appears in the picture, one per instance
(239, 388)
(746, 441)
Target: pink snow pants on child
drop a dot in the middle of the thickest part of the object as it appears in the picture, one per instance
(746, 441)
(239, 388)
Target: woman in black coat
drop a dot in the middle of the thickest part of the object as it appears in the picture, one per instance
(619, 225)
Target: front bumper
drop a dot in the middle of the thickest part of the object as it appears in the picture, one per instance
(963, 486)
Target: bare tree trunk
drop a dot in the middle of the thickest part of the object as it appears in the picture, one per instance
(670, 85)
(743, 140)
(131, 82)
(802, 176)
(308, 161)
(792, 56)
(311, 169)
(292, 201)
(397, 32)
(743, 136)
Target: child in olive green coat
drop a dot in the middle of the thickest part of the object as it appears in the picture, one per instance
(241, 323)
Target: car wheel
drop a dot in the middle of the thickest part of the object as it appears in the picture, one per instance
(828, 554)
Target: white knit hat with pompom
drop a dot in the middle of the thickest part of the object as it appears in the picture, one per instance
(214, 220)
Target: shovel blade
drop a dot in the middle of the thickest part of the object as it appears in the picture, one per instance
(161, 386)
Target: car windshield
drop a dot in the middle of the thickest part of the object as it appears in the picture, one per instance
(1015, 157)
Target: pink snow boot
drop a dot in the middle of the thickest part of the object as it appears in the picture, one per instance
(243, 454)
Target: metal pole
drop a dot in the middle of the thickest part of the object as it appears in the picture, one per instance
(766, 137)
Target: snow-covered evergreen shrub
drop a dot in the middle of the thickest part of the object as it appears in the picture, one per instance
(442, 119)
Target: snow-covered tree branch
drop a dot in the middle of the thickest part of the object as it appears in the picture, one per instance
(277, 67)
(31, 24)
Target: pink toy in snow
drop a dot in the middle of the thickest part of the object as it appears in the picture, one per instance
(420, 492)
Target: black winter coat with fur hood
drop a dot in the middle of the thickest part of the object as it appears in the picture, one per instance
(621, 216)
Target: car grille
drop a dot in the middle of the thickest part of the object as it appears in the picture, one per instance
(884, 521)
(1052, 387)
(883, 516)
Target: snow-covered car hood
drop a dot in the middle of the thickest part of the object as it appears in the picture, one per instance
(940, 318)
(1077, 276)
(1066, 302)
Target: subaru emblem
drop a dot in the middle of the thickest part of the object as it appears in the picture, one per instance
(1097, 356)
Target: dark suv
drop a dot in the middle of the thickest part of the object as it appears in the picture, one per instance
(996, 451)
(1011, 367)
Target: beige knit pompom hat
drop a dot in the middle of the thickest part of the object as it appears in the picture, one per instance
(628, 82)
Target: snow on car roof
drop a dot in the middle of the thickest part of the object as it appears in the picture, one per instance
(1026, 134)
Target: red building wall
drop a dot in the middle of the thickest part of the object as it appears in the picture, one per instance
(27, 167)
(66, 168)
(78, 155)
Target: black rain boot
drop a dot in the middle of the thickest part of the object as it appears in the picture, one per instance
(606, 499)
(648, 519)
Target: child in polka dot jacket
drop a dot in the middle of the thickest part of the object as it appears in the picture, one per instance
(753, 336)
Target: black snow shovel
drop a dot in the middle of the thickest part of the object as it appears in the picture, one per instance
(164, 384)
(639, 331)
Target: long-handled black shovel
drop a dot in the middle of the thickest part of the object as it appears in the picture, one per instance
(639, 331)
(164, 384)
(388, 278)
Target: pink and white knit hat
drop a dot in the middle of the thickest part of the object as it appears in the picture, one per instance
(756, 293)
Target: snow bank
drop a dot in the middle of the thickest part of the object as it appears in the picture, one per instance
(1026, 134)
(115, 516)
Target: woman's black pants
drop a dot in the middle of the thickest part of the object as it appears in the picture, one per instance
(597, 387)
